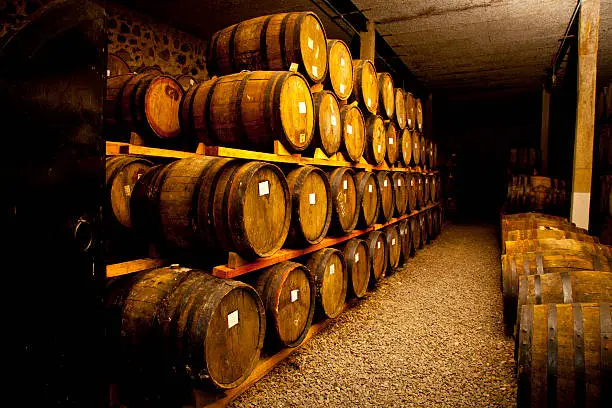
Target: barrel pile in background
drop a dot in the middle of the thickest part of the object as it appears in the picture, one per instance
(193, 211)
(557, 289)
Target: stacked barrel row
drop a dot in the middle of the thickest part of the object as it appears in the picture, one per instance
(557, 289)
(537, 193)
(261, 93)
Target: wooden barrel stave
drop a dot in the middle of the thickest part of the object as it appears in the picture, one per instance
(378, 256)
(330, 275)
(358, 265)
(386, 96)
(368, 198)
(353, 132)
(340, 77)
(394, 246)
(400, 193)
(387, 196)
(344, 201)
(415, 229)
(375, 146)
(536, 245)
(122, 173)
(328, 126)
(410, 111)
(365, 86)
(416, 148)
(405, 239)
(392, 141)
(400, 108)
(405, 147)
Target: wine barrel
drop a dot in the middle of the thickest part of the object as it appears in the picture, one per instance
(186, 81)
(365, 86)
(311, 205)
(368, 198)
(423, 227)
(434, 155)
(537, 245)
(274, 42)
(116, 66)
(405, 146)
(377, 254)
(328, 127)
(340, 77)
(206, 203)
(392, 142)
(279, 107)
(418, 181)
(532, 263)
(508, 226)
(149, 69)
(405, 239)
(410, 111)
(330, 275)
(344, 200)
(433, 188)
(400, 192)
(122, 173)
(358, 266)
(386, 96)
(400, 108)
(564, 357)
(419, 115)
(387, 196)
(416, 148)
(376, 146)
(426, 189)
(533, 215)
(205, 328)
(394, 246)
(353, 132)
(429, 161)
(144, 211)
(544, 233)
(146, 103)
(423, 147)
(288, 293)
(430, 225)
(415, 229)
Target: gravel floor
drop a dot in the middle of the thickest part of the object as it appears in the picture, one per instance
(430, 336)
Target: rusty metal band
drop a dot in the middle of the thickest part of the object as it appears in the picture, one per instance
(537, 283)
(232, 48)
(524, 357)
(552, 350)
(263, 44)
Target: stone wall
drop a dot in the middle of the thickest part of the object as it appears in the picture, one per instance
(141, 41)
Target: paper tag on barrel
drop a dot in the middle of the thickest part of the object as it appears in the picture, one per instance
(232, 319)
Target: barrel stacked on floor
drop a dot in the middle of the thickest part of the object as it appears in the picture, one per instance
(195, 210)
(557, 289)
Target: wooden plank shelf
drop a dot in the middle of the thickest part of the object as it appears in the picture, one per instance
(280, 156)
(242, 268)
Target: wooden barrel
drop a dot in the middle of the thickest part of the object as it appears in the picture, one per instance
(394, 246)
(549, 244)
(405, 147)
(429, 161)
(405, 239)
(328, 269)
(400, 108)
(279, 107)
(420, 191)
(344, 200)
(540, 192)
(340, 77)
(419, 114)
(205, 203)
(311, 204)
(377, 254)
(423, 227)
(387, 196)
(147, 104)
(328, 126)
(544, 233)
(392, 142)
(386, 95)
(149, 69)
(564, 355)
(426, 189)
(532, 263)
(416, 148)
(410, 111)
(122, 173)
(186, 81)
(353, 132)
(358, 266)
(368, 198)
(434, 155)
(423, 147)
(415, 228)
(144, 211)
(530, 215)
(430, 225)
(400, 192)
(288, 293)
(206, 328)
(376, 146)
(365, 85)
(274, 42)
(116, 66)
(513, 225)
(433, 188)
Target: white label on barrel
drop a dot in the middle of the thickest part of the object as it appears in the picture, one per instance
(191, 82)
(312, 198)
(294, 295)
(369, 102)
(346, 184)
(399, 182)
(379, 147)
(393, 241)
(341, 88)
(378, 245)
(332, 269)
(369, 188)
(315, 70)
(349, 129)
(333, 120)
(264, 188)
(390, 140)
(139, 175)
(385, 183)
(310, 43)
(232, 319)
(357, 257)
(302, 137)
(302, 107)
(293, 67)
(128, 190)
(108, 72)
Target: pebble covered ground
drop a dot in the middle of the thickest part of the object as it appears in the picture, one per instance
(431, 335)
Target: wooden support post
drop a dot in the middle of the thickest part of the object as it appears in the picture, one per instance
(544, 134)
(588, 33)
(368, 39)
